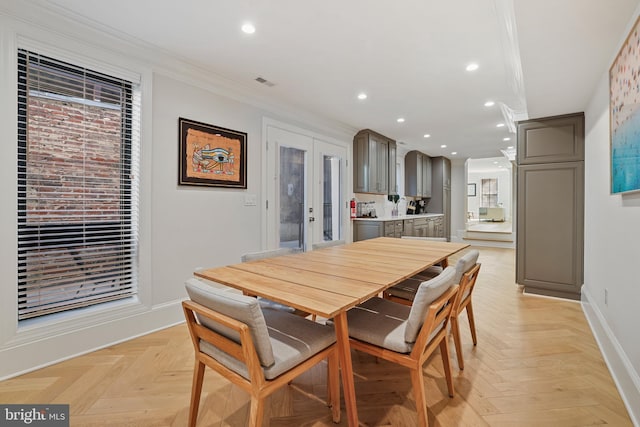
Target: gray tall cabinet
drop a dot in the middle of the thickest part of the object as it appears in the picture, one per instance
(550, 205)
(440, 201)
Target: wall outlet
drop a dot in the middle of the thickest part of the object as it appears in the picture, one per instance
(606, 296)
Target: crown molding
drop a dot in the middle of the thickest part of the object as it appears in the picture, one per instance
(43, 16)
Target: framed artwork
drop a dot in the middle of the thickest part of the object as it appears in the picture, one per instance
(211, 156)
(471, 190)
(624, 115)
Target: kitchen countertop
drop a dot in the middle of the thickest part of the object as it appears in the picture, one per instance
(399, 217)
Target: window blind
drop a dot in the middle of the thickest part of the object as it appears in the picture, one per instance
(78, 144)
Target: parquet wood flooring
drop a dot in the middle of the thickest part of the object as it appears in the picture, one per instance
(536, 364)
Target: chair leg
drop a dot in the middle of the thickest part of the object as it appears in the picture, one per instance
(418, 394)
(333, 386)
(256, 411)
(472, 323)
(196, 389)
(455, 329)
(446, 364)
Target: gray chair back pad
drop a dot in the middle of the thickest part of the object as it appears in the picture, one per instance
(428, 292)
(270, 253)
(240, 307)
(327, 244)
(465, 263)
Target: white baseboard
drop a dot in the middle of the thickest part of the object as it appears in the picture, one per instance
(39, 353)
(624, 375)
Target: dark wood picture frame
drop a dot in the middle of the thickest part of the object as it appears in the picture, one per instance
(471, 190)
(211, 156)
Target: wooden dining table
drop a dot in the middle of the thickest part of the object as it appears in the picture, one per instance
(328, 282)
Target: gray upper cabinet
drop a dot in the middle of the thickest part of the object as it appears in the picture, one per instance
(550, 206)
(551, 140)
(393, 180)
(373, 154)
(417, 174)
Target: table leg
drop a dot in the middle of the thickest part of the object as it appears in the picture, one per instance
(344, 351)
(444, 263)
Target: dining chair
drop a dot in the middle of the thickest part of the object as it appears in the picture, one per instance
(467, 269)
(409, 335)
(257, 350)
(271, 253)
(327, 244)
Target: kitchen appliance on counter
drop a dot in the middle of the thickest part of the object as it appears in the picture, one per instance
(416, 207)
(366, 210)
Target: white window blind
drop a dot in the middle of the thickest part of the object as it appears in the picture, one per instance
(78, 144)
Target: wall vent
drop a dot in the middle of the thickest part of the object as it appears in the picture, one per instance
(265, 82)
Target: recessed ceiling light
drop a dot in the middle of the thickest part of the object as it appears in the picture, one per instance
(510, 147)
(443, 146)
(472, 67)
(499, 125)
(495, 163)
(362, 95)
(400, 120)
(506, 139)
(426, 135)
(248, 28)
(453, 153)
(489, 104)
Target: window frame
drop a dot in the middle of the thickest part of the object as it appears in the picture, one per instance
(73, 230)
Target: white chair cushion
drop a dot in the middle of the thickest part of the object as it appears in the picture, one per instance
(406, 289)
(240, 307)
(380, 322)
(465, 263)
(294, 339)
(427, 292)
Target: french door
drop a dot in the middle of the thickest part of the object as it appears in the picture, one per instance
(305, 189)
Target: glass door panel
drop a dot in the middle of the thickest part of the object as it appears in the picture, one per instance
(332, 196)
(292, 197)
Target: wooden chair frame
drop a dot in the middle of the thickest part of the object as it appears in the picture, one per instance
(257, 386)
(441, 310)
(468, 281)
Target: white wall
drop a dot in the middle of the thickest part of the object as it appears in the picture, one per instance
(458, 195)
(612, 253)
(182, 227)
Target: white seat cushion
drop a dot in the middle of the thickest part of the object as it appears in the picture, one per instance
(237, 306)
(428, 292)
(293, 339)
(380, 322)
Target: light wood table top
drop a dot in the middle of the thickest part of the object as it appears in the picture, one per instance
(327, 282)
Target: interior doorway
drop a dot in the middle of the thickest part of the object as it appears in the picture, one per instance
(490, 195)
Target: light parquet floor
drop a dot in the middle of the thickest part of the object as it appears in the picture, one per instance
(536, 364)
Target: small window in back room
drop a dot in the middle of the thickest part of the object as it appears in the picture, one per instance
(78, 142)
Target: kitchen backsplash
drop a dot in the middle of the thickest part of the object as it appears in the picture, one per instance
(382, 206)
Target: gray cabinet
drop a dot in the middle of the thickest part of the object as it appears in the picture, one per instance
(417, 174)
(408, 227)
(420, 227)
(373, 154)
(363, 230)
(440, 201)
(550, 206)
(393, 180)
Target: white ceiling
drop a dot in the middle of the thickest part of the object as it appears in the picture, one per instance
(536, 57)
